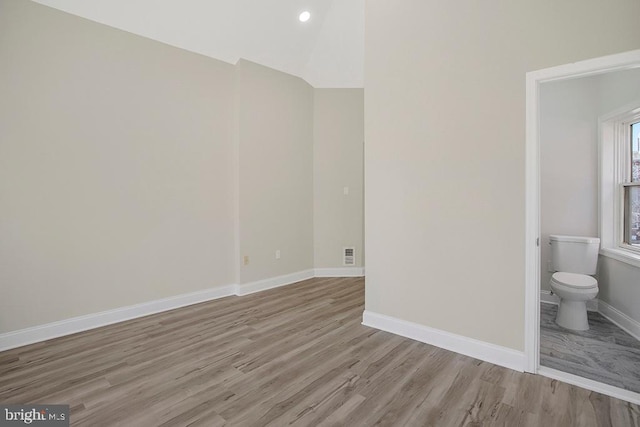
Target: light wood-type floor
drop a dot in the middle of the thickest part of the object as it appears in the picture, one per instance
(296, 355)
(605, 353)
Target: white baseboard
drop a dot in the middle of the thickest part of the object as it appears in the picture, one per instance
(95, 320)
(273, 282)
(339, 272)
(626, 323)
(598, 387)
(548, 298)
(73, 325)
(492, 353)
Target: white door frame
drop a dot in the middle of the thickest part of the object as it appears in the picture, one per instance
(605, 64)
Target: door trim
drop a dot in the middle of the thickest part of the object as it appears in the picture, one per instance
(601, 65)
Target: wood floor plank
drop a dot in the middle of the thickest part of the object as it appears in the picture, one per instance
(296, 355)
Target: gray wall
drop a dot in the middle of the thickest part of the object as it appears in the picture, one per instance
(132, 171)
(115, 168)
(276, 172)
(569, 112)
(445, 150)
(568, 163)
(619, 282)
(338, 133)
(619, 286)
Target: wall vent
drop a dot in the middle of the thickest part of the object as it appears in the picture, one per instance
(349, 256)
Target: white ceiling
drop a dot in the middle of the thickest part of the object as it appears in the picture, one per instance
(326, 51)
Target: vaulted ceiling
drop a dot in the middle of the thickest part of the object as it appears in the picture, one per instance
(326, 51)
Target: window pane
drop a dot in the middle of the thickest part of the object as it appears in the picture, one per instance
(635, 152)
(632, 226)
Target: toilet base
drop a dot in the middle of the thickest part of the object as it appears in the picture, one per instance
(572, 315)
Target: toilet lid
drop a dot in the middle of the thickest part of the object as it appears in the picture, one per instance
(573, 280)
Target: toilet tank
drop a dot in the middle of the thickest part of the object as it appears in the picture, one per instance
(574, 254)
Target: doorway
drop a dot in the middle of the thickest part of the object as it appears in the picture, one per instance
(534, 241)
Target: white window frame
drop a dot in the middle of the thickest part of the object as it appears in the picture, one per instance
(615, 161)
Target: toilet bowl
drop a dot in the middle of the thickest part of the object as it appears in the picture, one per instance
(574, 290)
(574, 260)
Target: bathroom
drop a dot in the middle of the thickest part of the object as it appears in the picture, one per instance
(572, 183)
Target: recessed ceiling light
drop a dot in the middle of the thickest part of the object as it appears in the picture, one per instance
(304, 16)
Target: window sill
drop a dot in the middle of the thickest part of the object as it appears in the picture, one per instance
(622, 255)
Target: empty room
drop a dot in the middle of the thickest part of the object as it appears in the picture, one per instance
(319, 212)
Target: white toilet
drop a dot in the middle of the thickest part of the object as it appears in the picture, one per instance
(574, 259)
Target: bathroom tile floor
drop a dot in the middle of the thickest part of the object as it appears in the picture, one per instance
(604, 353)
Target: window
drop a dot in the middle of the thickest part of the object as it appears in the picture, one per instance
(620, 184)
(632, 190)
